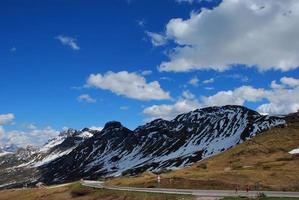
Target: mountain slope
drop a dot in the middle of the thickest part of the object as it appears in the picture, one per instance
(21, 167)
(264, 162)
(158, 145)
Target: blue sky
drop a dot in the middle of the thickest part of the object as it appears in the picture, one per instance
(76, 64)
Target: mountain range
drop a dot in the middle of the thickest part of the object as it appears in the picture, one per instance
(157, 146)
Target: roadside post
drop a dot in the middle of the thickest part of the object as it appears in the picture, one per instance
(158, 179)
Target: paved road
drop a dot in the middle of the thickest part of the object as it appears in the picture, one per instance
(57, 186)
(203, 193)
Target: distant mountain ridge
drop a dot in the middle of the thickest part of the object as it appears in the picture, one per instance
(11, 148)
(156, 146)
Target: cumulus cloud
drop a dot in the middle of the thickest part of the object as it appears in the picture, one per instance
(289, 81)
(156, 38)
(194, 81)
(169, 111)
(36, 137)
(32, 135)
(6, 118)
(185, 103)
(283, 98)
(127, 84)
(68, 41)
(278, 100)
(236, 97)
(86, 98)
(285, 82)
(256, 33)
(281, 101)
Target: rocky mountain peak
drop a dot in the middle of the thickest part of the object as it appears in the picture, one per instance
(68, 132)
(112, 125)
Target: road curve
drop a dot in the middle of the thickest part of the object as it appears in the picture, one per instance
(203, 193)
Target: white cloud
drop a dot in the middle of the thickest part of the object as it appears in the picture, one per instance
(169, 111)
(209, 88)
(279, 100)
(289, 81)
(29, 126)
(146, 72)
(68, 41)
(256, 33)
(188, 95)
(140, 22)
(282, 99)
(211, 80)
(36, 137)
(86, 98)
(128, 84)
(6, 118)
(165, 78)
(31, 136)
(285, 82)
(96, 128)
(156, 38)
(240, 77)
(275, 85)
(194, 81)
(234, 97)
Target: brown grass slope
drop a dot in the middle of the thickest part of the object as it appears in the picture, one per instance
(79, 192)
(262, 163)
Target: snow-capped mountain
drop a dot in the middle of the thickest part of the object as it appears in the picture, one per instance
(155, 146)
(21, 167)
(9, 148)
(158, 145)
(61, 145)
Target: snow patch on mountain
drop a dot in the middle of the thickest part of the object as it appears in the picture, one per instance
(5, 153)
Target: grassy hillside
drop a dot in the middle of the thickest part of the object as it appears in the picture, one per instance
(78, 192)
(262, 163)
